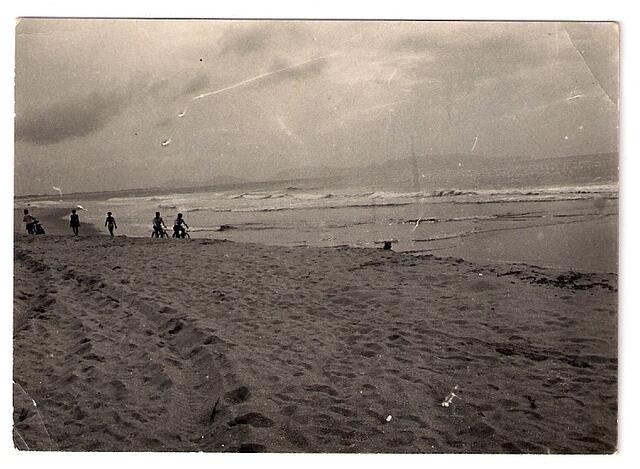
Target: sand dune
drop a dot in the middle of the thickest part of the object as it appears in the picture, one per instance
(202, 345)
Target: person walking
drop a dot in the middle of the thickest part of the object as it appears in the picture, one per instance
(110, 223)
(74, 222)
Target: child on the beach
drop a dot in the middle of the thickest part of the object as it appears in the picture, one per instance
(110, 223)
(74, 222)
(179, 230)
(30, 222)
(158, 224)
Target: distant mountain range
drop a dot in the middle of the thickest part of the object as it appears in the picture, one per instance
(180, 183)
(403, 164)
(467, 171)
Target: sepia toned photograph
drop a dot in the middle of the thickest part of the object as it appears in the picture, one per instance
(315, 236)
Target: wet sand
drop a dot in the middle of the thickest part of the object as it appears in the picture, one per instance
(133, 344)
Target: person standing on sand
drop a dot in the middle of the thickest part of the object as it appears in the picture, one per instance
(74, 222)
(110, 223)
(30, 222)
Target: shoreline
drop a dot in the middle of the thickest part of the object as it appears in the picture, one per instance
(488, 265)
(570, 235)
(56, 224)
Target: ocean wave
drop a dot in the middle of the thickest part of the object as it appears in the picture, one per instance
(256, 196)
(413, 221)
(611, 188)
(322, 206)
(344, 225)
(363, 194)
(45, 203)
(143, 198)
(206, 209)
(499, 216)
(535, 197)
(310, 196)
(294, 198)
(258, 202)
(450, 192)
(239, 227)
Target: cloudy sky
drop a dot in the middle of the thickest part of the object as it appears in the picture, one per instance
(96, 99)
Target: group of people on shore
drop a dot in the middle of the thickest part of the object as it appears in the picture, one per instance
(159, 228)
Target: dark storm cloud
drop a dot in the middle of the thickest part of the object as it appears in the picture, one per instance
(78, 116)
(70, 119)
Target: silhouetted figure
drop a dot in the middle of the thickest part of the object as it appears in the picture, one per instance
(74, 222)
(110, 223)
(30, 222)
(179, 230)
(158, 227)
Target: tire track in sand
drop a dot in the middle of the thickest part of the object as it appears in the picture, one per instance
(133, 376)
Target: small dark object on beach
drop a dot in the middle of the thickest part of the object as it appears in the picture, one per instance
(38, 229)
(219, 296)
(387, 246)
(238, 395)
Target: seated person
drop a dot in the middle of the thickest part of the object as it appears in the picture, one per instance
(30, 222)
(178, 228)
(158, 224)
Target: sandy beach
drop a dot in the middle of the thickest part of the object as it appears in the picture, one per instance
(134, 344)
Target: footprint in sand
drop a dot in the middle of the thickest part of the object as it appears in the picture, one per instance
(342, 411)
(175, 325)
(322, 388)
(295, 437)
(479, 431)
(253, 419)
(238, 395)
